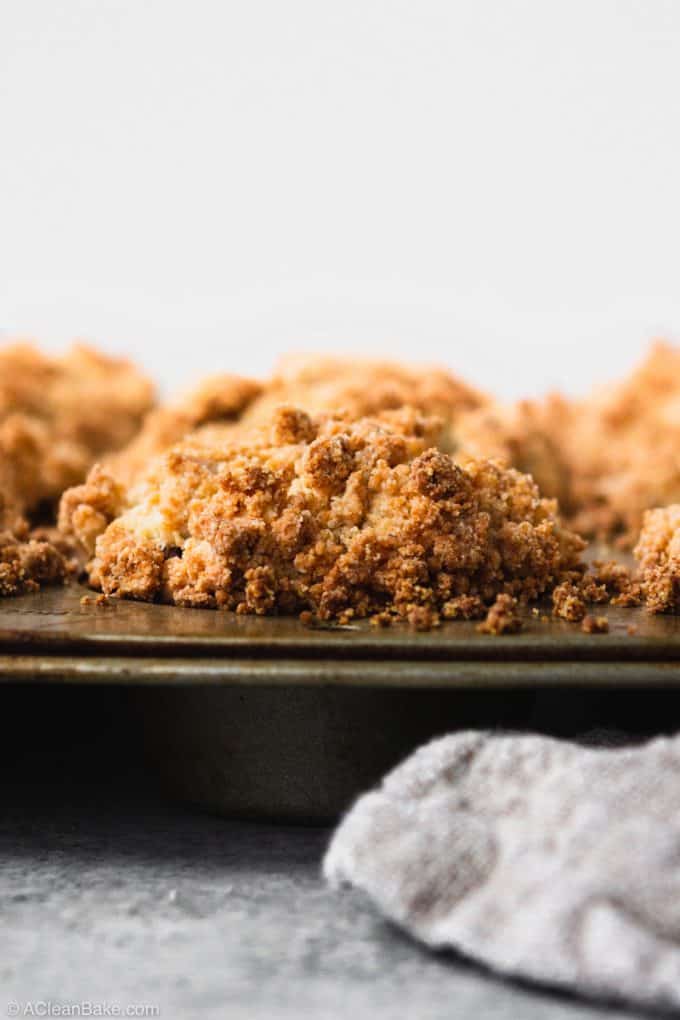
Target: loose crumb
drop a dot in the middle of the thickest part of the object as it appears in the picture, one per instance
(591, 591)
(423, 618)
(502, 618)
(568, 603)
(629, 599)
(595, 625)
(464, 607)
(623, 590)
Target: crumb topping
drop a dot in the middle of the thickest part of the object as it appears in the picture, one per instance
(57, 415)
(361, 388)
(323, 515)
(26, 564)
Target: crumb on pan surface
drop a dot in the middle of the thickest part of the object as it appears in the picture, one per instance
(595, 624)
(502, 618)
(568, 602)
(326, 515)
(605, 581)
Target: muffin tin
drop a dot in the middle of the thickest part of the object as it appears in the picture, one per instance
(265, 716)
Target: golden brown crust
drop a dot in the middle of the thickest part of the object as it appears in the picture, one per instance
(217, 400)
(353, 387)
(361, 388)
(326, 515)
(526, 436)
(86, 510)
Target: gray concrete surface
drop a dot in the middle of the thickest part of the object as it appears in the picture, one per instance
(205, 918)
(112, 894)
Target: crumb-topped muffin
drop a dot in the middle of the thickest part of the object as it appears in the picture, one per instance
(57, 416)
(323, 514)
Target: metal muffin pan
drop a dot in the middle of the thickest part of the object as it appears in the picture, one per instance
(264, 716)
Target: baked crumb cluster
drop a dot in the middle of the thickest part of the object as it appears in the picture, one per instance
(57, 416)
(325, 515)
(604, 582)
(26, 563)
(658, 553)
(503, 617)
(354, 387)
(218, 400)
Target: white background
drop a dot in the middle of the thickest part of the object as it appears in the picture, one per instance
(206, 183)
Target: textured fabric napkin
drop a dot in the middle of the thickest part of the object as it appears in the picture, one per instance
(540, 858)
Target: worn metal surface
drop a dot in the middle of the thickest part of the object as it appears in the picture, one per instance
(116, 899)
(263, 716)
(51, 635)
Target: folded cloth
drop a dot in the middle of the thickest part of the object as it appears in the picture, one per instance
(542, 859)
